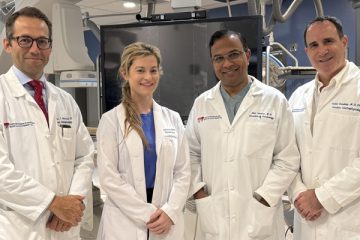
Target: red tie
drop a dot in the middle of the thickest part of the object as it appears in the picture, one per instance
(38, 86)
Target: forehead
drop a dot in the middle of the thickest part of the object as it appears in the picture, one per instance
(30, 26)
(145, 60)
(226, 44)
(319, 30)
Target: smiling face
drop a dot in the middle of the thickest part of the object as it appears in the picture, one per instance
(143, 76)
(31, 61)
(325, 49)
(232, 72)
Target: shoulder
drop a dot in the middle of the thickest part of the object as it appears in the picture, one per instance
(207, 95)
(113, 113)
(303, 89)
(267, 91)
(169, 113)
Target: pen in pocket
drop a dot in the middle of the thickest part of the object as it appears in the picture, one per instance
(62, 128)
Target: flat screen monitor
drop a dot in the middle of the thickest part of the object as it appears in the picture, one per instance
(185, 57)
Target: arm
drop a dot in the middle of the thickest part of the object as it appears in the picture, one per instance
(181, 173)
(19, 191)
(117, 189)
(342, 189)
(84, 164)
(285, 164)
(194, 142)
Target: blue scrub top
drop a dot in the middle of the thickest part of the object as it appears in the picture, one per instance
(150, 156)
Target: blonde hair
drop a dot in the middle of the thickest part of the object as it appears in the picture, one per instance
(132, 115)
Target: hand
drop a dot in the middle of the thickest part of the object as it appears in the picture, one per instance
(68, 208)
(58, 225)
(201, 194)
(159, 223)
(308, 205)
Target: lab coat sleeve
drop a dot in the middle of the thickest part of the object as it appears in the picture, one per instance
(121, 193)
(296, 187)
(84, 165)
(18, 191)
(286, 158)
(194, 141)
(180, 189)
(342, 189)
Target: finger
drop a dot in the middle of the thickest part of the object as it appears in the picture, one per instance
(154, 216)
(59, 226)
(66, 227)
(53, 223)
(78, 197)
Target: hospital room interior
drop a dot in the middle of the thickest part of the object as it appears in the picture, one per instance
(89, 37)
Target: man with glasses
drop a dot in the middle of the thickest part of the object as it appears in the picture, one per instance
(45, 149)
(242, 149)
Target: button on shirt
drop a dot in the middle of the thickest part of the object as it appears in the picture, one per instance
(232, 103)
(25, 82)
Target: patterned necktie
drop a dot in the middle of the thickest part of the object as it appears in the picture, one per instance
(37, 86)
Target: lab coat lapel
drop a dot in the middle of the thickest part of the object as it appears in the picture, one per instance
(216, 101)
(248, 100)
(308, 101)
(135, 149)
(18, 90)
(52, 100)
(159, 124)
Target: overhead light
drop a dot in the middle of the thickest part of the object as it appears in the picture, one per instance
(129, 4)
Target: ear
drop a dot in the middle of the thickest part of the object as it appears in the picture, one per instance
(306, 50)
(7, 45)
(248, 55)
(345, 40)
(123, 75)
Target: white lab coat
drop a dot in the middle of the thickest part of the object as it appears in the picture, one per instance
(330, 157)
(257, 152)
(121, 172)
(37, 162)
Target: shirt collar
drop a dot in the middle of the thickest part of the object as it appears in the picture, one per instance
(239, 96)
(334, 82)
(25, 79)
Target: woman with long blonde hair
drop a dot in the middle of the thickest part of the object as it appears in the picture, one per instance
(143, 156)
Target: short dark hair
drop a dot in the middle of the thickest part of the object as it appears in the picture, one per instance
(226, 33)
(337, 23)
(26, 12)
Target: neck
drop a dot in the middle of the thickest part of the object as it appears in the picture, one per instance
(144, 105)
(325, 78)
(233, 90)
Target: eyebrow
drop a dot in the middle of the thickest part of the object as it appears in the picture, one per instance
(234, 50)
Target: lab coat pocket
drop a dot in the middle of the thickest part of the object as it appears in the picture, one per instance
(207, 217)
(67, 142)
(261, 221)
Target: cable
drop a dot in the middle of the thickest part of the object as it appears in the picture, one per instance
(291, 228)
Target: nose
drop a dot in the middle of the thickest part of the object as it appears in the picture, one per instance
(34, 48)
(227, 62)
(147, 75)
(323, 50)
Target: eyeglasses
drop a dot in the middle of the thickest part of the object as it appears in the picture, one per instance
(231, 56)
(27, 42)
